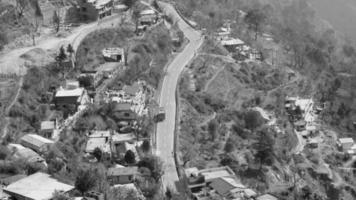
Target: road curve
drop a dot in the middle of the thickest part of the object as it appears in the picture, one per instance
(165, 129)
(11, 62)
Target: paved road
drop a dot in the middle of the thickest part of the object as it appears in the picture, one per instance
(11, 62)
(165, 129)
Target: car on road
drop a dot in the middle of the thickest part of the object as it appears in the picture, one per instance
(160, 115)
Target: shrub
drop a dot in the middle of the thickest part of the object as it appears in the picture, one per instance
(130, 157)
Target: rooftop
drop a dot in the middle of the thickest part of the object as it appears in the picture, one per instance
(123, 137)
(99, 3)
(122, 107)
(132, 89)
(213, 173)
(101, 143)
(47, 125)
(112, 51)
(147, 12)
(232, 41)
(346, 140)
(99, 134)
(227, 186)
(108, 67)
(38, 186)
(121, 171)
(70, 93)
(36, 140)
(304, 104)
(22, 152)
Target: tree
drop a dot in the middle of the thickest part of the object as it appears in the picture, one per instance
(57, 195)
(130, 157)
(85, 180)
(129, 3)
(3, 39)
(56, 20)
(264, 147)
(154, 164)
(146, 146)
(4, 152)
(61, 56)
(252, 120)
(136, 16)
(35, 24)
(255, 18)
(21, 6)
(97, 153)
(70, 50)
(229, 146)
(32, 168)
(86, 81)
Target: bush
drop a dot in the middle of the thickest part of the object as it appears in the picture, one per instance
(85, 180)
(154, 164)
(253, 120)
(130, 157)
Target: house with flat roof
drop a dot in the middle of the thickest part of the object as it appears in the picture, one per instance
(100, 134)
(345, 143)
(132, 90)
(122, 175)
(122, 138)
(103, 143)
(103, 7)
(36, 142)
(38, 186)
(71, 84)
(20, 152)
(218, 172)
(114, 54)
(148, 17)
(232, 44)
(67, 98)
(49, 129)
(229, 188)
(123, 112)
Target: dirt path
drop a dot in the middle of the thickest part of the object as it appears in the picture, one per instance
(213, 78)
(11, 62)
(5, 130)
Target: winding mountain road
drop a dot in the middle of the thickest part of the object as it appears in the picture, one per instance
(166, 129)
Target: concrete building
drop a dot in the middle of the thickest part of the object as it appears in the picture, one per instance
(103, 143)
(49, 129)
(232, 44)
(229, 188)
(132, 90)
(114, 54)
(36, 142)
(148, 17)
(219, 172)
(122, 175)
(345, 143)
(38, 186)
(103, 7)
(67, 98)
(71, 84)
